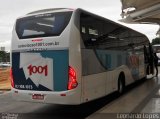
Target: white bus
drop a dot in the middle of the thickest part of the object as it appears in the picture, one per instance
(71, 56)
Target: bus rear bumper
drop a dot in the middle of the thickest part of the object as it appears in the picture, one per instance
(70, 97)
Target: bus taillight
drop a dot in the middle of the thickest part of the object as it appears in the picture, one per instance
(11, 78)
(72, 83)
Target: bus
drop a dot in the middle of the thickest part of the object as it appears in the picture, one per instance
(71, 56)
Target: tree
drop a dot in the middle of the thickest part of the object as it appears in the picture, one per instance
(156, 41)
(4, 56)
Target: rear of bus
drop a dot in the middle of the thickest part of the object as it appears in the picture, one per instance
(43, 69)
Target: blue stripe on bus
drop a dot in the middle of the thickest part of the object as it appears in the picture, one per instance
(60, 68)
(111, 59)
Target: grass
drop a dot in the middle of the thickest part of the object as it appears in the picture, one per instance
(5, 79)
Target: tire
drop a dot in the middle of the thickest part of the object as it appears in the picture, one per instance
(121, 84)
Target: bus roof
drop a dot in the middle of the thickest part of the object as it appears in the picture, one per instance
(50, 10)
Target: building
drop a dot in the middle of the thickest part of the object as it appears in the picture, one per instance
(141, 11)
(2, 48)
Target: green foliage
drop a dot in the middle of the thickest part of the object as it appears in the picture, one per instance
(4, 57)
(156, 41)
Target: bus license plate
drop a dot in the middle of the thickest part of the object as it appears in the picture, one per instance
(38, 97)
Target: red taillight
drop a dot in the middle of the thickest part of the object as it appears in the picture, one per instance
(11, 78)
(72, 83)
(37, 40)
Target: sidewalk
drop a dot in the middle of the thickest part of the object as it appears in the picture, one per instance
(142, 100)
(5, 79)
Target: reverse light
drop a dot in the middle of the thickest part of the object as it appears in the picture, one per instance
(11, 78)
(72, 82)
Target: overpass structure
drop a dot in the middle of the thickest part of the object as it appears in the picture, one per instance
(141, 11)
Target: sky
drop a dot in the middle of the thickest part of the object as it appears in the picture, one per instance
(12, 9)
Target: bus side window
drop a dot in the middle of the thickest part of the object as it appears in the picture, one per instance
(84, 35)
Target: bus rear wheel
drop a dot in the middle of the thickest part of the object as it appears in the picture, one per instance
(121, 83)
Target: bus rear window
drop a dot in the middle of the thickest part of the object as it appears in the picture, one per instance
(42, 25)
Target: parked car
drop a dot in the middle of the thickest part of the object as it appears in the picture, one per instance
(4, 64)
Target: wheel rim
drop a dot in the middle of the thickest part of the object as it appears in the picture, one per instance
(120, 87)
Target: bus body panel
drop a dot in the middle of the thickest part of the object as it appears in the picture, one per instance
(55, 50)
(60, 97)
(43, 70)
(101, 84)
(75, 53)
(94, 86)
